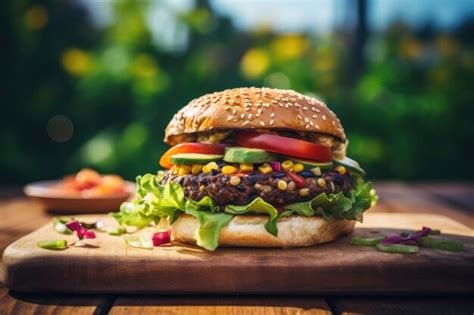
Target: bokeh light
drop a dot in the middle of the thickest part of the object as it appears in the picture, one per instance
(60, 128)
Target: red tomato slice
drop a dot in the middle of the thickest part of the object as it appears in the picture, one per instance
(284, 145)
(191, 147)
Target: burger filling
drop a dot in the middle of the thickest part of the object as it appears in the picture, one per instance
(276, 188)
(277, 173)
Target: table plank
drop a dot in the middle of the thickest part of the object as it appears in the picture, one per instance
(456, 194)
(26, 303)
(401, 305)
(405, 198)
(238, 305)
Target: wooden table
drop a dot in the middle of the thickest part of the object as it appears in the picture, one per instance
(19, 216)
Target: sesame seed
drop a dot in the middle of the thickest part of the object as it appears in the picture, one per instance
(324, 117)
(250, 116)
(307, 126)
(272, 115)
(271, 122)
(305, 108)
(242, 116)
(246, 122)
(229, 118)
(314, 116)
(262, 123)
(234, 111)
(306, 119)
(299, 117)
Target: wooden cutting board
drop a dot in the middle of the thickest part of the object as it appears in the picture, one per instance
(112, 267)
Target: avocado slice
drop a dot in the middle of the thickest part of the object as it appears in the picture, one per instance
(351, 165)
(194, 158)
(247, 155)
(312, 164)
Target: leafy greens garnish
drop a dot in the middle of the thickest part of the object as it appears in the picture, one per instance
(155, 201)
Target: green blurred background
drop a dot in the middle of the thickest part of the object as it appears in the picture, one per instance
(94, 83)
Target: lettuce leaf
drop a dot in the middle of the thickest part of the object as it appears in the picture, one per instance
(154, 201)
(338, 206)
(210, 225)
(258, 205)
(205, 204)
(131, 213)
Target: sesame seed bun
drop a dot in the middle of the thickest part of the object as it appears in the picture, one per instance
(249, 231)
(253, 108)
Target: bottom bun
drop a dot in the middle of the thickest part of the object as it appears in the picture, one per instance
(249, 231)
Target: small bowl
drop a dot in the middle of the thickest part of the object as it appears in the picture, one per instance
(55, 201)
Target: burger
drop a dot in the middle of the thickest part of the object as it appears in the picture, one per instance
(253, 167)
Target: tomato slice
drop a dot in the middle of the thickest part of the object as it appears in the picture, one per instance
(191, 147)
(299, 181)
(284, 145)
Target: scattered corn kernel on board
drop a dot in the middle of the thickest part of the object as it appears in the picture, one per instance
(110, 266)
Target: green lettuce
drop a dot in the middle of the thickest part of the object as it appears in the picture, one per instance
(155, 201)
(258, 205)
(338, 206)
(210, 225)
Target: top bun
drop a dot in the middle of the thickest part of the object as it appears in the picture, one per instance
(254, 108)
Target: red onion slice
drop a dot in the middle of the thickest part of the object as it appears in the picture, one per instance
(160, 238)
(276, 166)
(89, 234)
(413, 237)
(74, 225)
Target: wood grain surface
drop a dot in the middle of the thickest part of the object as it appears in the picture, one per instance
(239, 305)
(28, 303)
(110, 266)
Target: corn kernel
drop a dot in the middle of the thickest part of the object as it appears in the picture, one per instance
(287, 165)
(174, 169)
(184, 170)
(321, 182)
(341, 169)
(265, 169)
(228, 170)
(316, 171)
(298, 167)
(202, 188)
(304, 192)
(209, 167)
(246, 167)
(196, 169)
(282, 185)
(235, 180)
